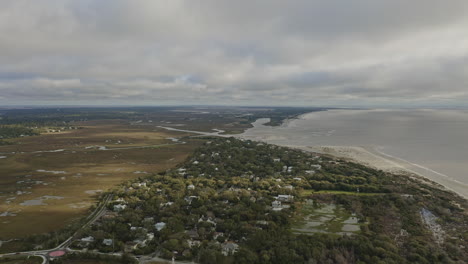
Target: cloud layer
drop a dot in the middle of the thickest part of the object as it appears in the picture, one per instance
(311, 52)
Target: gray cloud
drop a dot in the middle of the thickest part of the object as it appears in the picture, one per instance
(358, 52)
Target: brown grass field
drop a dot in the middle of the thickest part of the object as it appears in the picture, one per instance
(76, 172)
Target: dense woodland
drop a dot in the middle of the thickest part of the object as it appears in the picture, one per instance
(15, 131)
(217, 207)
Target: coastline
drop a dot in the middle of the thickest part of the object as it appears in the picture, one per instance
(365, 155)
(372, 157)
(376, 159)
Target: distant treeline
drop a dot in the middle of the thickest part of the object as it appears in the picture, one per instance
(60, 117)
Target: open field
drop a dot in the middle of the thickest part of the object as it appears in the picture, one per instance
(48, 180)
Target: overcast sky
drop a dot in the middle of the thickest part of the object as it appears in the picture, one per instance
(313, 53)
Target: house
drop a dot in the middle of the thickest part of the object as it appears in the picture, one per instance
(207, 219)
(120, 200)
(297, 179)
(119, 207)
(189, 199)
(290, 169)
(193, 243)
(289, 187)
(229, 248)
(276, 204)
(276, 160)
(285, 198)
(191, 187)
(148, 219)
(159, 226)
(87, 239)
(195, 162)
(167, 204)
(217, 234)
(310, 172)
(317, 166)
(108, 242)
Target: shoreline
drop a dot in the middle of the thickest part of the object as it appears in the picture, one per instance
(376, 159)
(368, 156)
(372, 157)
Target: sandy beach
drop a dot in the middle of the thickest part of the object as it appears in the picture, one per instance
(424, 142)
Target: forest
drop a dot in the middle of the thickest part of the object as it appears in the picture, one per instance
(223, 206)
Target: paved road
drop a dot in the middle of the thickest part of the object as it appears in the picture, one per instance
(217, 133)
(44, 254)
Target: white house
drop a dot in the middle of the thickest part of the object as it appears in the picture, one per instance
(167, 204)
(229, 248)
(189, 199)
(193, 243)
(87, 239)
(107, 242)
(317, 166)
(119, 207)
(285, 198)
(191, 187)
(159, 226)
(276, 204)
(120, 200)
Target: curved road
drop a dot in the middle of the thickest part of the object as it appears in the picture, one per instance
(44, 254)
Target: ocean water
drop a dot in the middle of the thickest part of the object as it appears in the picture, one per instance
(433, 143)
